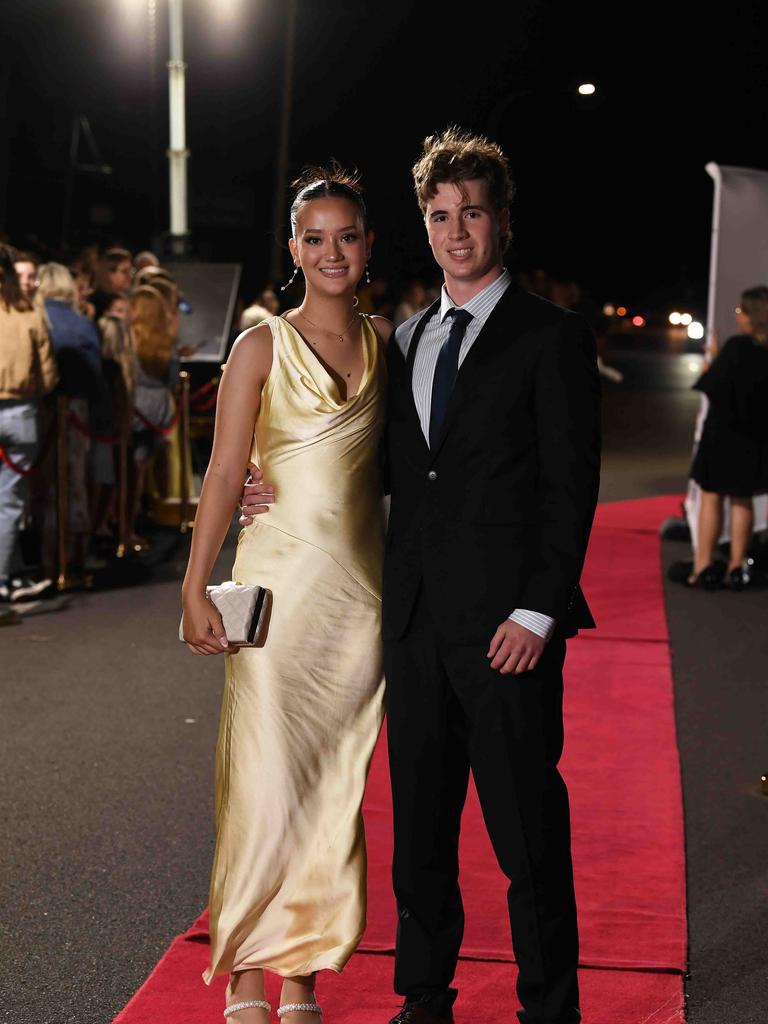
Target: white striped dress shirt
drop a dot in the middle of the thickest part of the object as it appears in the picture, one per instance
(433, 338)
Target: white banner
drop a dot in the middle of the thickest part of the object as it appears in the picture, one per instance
(738, 260)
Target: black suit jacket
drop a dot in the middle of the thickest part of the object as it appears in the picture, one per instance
(498, 515)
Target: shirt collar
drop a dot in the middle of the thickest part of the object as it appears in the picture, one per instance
(481, 306)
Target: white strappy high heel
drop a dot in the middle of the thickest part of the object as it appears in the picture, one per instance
(248, 1004)
(298, 1007)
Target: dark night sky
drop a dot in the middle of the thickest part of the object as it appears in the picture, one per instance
(614, 193)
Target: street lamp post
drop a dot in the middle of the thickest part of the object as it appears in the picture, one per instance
(177, 151)
(283, 146)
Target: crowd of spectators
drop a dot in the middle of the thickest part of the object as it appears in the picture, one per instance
(101, 331)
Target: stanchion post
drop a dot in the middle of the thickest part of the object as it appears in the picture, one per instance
(62, 490)
(184, 446)
(122, 481)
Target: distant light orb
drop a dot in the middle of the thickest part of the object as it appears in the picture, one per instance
(621, 311)
(638, 321)
(675, 318)
(587, 89)
(608, 309)
(695, 331)
(686, 319)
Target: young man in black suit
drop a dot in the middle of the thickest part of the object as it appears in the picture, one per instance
(493, 453)
(493, 445)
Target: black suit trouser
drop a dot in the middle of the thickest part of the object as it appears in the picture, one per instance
(447, 712)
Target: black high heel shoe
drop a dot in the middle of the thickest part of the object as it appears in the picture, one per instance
(739, 578)
(710, 578)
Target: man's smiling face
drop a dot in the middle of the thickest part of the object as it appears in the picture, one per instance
(465, 231)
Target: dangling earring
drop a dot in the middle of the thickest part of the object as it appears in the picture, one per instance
(296, 269)
(367, 274)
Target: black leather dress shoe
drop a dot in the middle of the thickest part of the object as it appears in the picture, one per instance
(418, 1013)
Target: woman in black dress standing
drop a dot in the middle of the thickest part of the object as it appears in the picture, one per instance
(732, 456)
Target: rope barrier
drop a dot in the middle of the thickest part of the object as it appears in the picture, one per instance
(207, 406)
(209, 386)
(86, 430)
(161, 431)
(112, 439)
(37, 464)
(58, 430)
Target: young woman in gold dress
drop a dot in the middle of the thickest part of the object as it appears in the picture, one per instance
(303, 396)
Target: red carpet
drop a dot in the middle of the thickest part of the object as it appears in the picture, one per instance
(621, 765)
(174, 993)
(642, 515)
(621, 768)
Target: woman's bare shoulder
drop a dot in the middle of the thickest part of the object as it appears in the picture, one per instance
(383, 327)
(252, 345)
(251, 355)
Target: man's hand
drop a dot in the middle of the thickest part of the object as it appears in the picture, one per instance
(256, 497)
(515, 649)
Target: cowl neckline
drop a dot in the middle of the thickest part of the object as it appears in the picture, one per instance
(324, 384)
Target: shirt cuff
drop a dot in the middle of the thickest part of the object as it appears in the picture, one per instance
(539, 623)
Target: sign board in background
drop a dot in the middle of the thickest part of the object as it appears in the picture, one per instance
(211, 291)
(739, 254)
(738, 260)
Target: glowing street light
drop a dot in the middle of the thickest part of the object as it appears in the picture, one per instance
(587, 89)
(675, 318)
(695, 331)
(686, 319)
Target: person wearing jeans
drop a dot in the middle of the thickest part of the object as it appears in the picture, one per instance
(27, 372)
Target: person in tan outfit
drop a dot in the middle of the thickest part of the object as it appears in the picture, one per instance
(27, 372)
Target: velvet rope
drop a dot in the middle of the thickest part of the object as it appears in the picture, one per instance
(35, 467)
(85, 429)
(161, 431)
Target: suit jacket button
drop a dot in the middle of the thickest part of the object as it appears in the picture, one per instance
(431, 475)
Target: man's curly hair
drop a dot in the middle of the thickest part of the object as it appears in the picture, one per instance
(455, 156)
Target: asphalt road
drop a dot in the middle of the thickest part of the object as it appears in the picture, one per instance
(108, 729)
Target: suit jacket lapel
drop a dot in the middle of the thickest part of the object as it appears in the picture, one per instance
(409, 363)
(497, 332)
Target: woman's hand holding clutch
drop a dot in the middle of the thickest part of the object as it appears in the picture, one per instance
(202, 627)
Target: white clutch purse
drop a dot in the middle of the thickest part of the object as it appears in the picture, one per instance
(244, 610)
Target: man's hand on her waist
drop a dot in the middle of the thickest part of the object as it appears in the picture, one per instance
(257, 496)
(515, 649)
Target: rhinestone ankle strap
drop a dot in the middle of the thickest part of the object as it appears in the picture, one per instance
(249, 1004)
(296, 1007)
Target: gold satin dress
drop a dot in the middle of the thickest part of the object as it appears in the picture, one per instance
(301, 714)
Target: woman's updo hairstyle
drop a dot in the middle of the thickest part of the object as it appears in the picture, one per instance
(322, 182)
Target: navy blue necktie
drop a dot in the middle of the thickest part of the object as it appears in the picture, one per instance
(445, 373)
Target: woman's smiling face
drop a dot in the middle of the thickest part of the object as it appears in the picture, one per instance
(330, 244)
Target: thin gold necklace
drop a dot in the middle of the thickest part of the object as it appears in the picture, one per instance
(355, 315)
